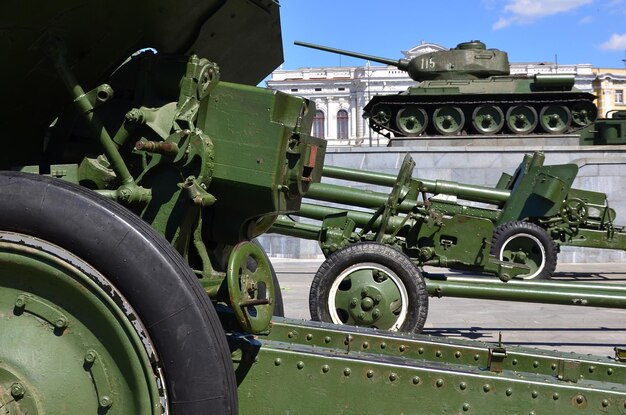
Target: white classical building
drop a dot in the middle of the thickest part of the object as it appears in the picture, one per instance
(341, 92)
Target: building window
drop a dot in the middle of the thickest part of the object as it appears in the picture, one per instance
(619, 96)
(342, 124)
(318, 124)
(294, 89)
(318, 89)
(341, 89)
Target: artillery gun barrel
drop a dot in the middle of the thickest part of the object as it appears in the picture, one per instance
(588, 295)
(354, 197)
(402, 64)
(472, 193)
(362, 219)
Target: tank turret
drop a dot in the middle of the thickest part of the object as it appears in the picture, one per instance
(469, 60)
(469, 90)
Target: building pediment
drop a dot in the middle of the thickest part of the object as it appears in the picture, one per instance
(423, 48)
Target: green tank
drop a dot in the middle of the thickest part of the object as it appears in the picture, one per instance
(469, 90)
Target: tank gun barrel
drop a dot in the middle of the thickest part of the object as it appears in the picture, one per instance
(402, 64)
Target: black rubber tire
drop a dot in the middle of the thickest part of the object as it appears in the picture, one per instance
(279, 307)
(506, 231)
(377, 253)
(149, 273)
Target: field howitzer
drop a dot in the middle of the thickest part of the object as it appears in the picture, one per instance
(128, 280)
(516, 231)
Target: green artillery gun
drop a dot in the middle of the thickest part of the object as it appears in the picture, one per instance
(515, 232)
(469, 90)
(128, 282)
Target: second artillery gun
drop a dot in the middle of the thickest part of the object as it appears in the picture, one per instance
(516, 231)
(469, 90)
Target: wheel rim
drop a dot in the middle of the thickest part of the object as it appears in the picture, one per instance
(488, 119)
(584, 113)
(555, 119)
(60, 317)
(368, 294)
(526, 249)
(448, 120)
(412, 121)
(521, 119)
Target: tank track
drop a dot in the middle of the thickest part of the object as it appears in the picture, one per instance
(430, 116)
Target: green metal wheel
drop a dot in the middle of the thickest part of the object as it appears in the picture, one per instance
(81, 329)
(371, 285)
(521, 119)
(251, 286)
(448, 120)
(527, 244)
(584, 113)
(555, 119)
(488, 119)
(98, 313)
(412, 121)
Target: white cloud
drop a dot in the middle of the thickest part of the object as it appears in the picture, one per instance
(616, 42)
(586, 20)
(529, 11)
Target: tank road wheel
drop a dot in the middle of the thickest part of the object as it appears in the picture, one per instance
(98, 313)
(528, 244)
(555, 119)
(521, 119)
(412, 121)
(448, 120)
(372, 285)
(381, 115)
(488, 119)
(584, 113)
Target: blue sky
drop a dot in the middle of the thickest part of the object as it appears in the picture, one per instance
(576, 31)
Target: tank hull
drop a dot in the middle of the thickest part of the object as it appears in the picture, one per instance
(496, 105)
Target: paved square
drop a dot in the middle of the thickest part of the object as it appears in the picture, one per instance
(566, 328)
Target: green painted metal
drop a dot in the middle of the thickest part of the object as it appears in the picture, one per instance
(606, 131)
(469, 90)
(327, 367)
(60, 316)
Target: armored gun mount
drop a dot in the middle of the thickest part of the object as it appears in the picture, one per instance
(468, 90)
